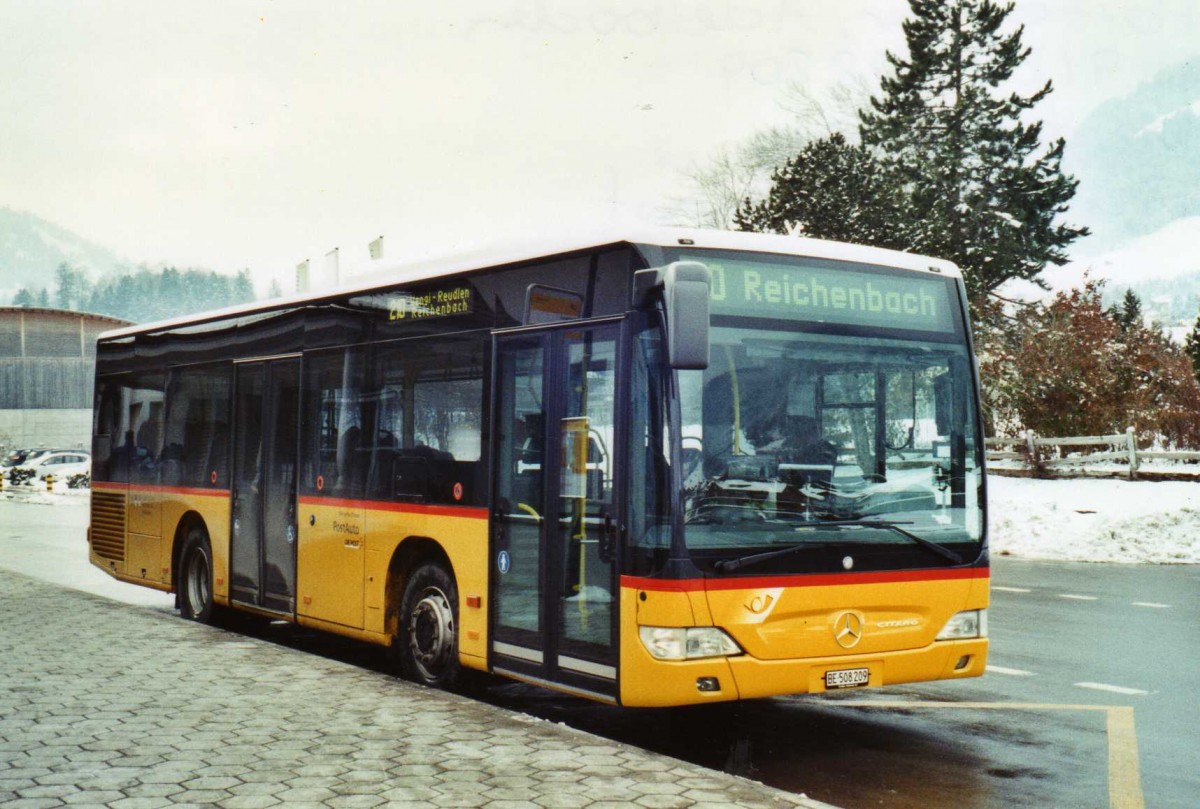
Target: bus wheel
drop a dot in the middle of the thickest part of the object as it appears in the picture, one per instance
(195, 581)
(426, 641)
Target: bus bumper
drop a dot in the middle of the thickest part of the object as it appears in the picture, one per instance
(651, 683)
(942, 660)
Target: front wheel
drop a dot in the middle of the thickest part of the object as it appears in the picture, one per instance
(196, 578)
(426, 642)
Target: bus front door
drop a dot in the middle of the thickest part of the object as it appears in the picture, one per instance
(263, 527)
(556, 507)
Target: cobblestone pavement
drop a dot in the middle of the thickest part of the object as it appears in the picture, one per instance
(107, 704)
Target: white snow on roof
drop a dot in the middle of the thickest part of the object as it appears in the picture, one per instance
(385, 273)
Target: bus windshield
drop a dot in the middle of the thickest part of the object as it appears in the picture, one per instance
(802, 433)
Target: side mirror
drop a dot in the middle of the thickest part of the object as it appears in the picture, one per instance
(685, 289)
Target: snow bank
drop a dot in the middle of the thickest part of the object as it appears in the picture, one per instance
(35, 492)
(1080, 520)
(1088, 520)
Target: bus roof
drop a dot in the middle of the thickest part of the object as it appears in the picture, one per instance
(384, 273)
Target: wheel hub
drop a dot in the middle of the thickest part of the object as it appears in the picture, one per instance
(431, 633)
(198, 582)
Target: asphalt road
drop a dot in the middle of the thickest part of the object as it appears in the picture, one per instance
(1090, 699)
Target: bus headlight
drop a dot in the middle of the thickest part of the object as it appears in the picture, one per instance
(968, 624)
(687, 643)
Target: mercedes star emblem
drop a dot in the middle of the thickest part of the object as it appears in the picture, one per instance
(847, 630)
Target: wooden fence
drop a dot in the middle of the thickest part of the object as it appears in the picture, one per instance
(1119, 452)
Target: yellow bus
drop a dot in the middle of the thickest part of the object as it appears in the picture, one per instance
(654, 468)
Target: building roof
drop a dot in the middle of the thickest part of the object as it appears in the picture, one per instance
(104, 320)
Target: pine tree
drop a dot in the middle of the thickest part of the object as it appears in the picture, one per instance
(72, 286)
(832, 190)
(1127, 313)
(982, 195)
(242, 289)
(157, 294)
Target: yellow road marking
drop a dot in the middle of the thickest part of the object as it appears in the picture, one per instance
(1124, 775)
(1124, 779)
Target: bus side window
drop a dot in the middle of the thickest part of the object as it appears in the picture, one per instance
(335, 448)
(128, 428)
(431, 414)
(196, 435)
(649, 493)
(105, 428)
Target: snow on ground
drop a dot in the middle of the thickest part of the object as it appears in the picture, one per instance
(35, 491)
(1095, 520)
(1079, 520)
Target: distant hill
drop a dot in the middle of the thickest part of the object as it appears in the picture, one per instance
(1171, 302)
(1161, 268)
(1136, 160)
(31, 248)
(1172, 251)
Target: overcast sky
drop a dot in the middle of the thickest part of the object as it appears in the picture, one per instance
(257, 134)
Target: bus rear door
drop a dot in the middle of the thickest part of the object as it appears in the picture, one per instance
(263, 541)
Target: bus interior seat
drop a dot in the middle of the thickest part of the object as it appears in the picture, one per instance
(350, 470)
(424, 473)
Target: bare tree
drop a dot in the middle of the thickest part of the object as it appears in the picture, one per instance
(736, 172)
(731, 175)
(832, 110)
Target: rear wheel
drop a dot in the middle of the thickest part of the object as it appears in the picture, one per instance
(426, 642)
(196, 578)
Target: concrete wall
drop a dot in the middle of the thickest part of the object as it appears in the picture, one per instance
(66, 429)
(47, 359)
(44, 382)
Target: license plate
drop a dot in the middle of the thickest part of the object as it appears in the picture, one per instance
(847, 678)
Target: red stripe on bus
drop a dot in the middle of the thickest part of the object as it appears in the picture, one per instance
(142, 487)
(404, 508)
(809, 580)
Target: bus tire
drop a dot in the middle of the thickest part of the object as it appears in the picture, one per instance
(426, 642)
(196, 578)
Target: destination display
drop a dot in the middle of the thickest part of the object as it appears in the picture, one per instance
(454, 300)
(830, 294)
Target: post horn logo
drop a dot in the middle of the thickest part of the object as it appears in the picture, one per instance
(848, 629)
(760, 604)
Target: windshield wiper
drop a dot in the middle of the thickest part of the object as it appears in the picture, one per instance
(940, 550)
(729, 565)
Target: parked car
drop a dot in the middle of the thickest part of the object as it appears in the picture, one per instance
(18, 457)
(15, 458)
(60, 463)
